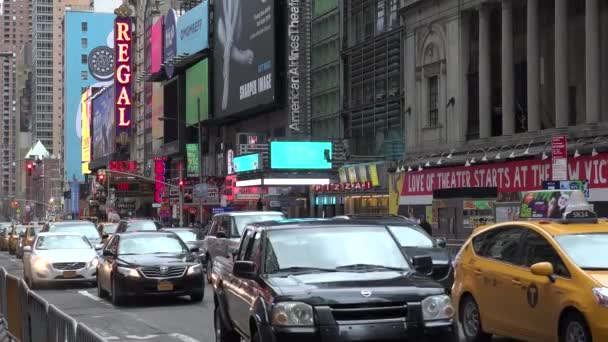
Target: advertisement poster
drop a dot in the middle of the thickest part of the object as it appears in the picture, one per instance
(156, 45)
(86, 131)
(507, 213)
(158, 110)
(197, 99)
(545, 204)
(192, 156)
(103, 124)
(244, 55)
(568, 185)
(170, 43)
(192, 29)
(559, 153)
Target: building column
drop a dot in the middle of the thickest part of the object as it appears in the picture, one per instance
(485, 101)
(562, 105)
(533, 59)
(592, 60)
(508, 70)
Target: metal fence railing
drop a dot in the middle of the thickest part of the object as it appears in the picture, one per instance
(27, 317)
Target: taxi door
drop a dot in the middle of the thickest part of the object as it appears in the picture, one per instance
(539, 300)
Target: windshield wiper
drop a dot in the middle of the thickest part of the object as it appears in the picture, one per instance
(304, 269)
(369, 267)
(594, 268)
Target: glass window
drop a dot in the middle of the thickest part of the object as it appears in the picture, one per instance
(151, 244)
(243, 220)
(110, 228)
(84, 75)
(141, 226)
(588, 251)
(89, 231)
(84, 59)
(538, 249)
(503, 244)
(84, 26)
(411, 236)
(186, 235)
(62, 242)
(245, 244)
(253, 254)
(433, 94)
(84, 43)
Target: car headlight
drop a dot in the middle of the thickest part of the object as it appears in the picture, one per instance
(40, 264)
(93, 263)
(601, 294)
(196, 269)
(437, 307)
(292, 314)
(129, 272)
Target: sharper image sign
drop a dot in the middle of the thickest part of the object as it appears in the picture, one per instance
(244, 55)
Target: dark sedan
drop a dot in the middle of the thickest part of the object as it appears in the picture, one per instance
(148, 263)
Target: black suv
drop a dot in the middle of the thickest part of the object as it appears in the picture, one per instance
(327, 280)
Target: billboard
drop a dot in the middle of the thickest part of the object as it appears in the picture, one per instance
(103, 123)
(197, 99)
(247, 162)
(85, 138)
(192, 158)
(170, 46)
(123, 31)
(156, 45)
(244, 55)
(300, 155)
(157, 112)
(193, 29)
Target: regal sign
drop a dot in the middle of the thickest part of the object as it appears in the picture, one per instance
(123, 30)
(344, 187)
(160, 172)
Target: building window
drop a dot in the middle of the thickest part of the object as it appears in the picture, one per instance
(84, 75)
(84, 42)
(433, 95)
(83, 59)
(84, 26)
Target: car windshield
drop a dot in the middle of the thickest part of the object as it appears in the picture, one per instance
(588, 251)
(110, 228)
(412, 236)
(332, 249)
(19, 230)
(244, 220)
(141, 225)
(146, 244)
(186, 235)
(62, 242)
(34, 231)
(89, 231)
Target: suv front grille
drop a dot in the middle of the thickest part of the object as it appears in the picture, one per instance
(66, 266)
(360, 312)
(156, 272)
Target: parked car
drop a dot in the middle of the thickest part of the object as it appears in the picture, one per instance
(372, 217)
(26, 239)
(14, 236)
(327, 281)
(4, 235)
(149, 263)
(137, 225)
(86, 228)
(188, 236)
(107, 229)
(58, 258)
(225, 233)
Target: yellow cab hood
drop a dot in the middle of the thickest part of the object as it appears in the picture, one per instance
(599, 276)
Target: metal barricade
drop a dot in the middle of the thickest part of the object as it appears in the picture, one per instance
(3, 306)
(86, 334)
(23, 302)
(62, 328)
(13, 306)
(38, 318)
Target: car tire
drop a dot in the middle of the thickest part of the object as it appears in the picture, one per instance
(197, 297)
(256, 337)
(222, 333)
(470, 319)
(101, 293)
(117, 300)
(208, 269)
(574, 328)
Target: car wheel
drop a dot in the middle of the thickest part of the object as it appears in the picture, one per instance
(574, 328)
(470, 318)
(197, 297)
(101, 293)
(208, 269)
(222, 334)
(116, 298)
(256, 337)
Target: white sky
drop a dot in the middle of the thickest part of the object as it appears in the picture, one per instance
(106, 6)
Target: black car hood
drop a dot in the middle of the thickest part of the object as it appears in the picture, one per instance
(157, 259)
(346, 287)
(440, 255)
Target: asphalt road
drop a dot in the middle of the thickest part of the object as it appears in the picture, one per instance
(149, 319)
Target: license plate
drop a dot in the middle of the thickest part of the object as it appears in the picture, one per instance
(165, 286)
(69, 274)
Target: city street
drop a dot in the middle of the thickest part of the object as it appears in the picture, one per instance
(150, 319)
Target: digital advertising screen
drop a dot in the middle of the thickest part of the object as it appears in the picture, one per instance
(300, 155)
(103, 124)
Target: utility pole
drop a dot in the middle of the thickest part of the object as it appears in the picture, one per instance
(200, 159)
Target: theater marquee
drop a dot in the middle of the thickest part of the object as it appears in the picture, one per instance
(123, 30)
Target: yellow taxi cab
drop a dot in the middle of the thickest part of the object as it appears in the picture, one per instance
(543, 278)
(4, 235)
(28, 238)
(14, 236)
(107, 229)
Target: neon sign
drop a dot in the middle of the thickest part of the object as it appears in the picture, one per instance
(123, 30)
(160, 172)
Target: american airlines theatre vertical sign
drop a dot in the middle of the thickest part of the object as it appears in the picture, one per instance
(123, 30)
(298, 66)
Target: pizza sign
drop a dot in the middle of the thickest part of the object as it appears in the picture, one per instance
(344, 187)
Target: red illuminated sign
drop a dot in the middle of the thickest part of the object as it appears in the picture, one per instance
(122, 187)
(160, 171)
(337, 187)
(123, 30)
(127, 166)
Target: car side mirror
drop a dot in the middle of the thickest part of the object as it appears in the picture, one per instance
(245, 270)
(105, 236)
(221, 235)
(27, 249)
(543, 269)
(423, 264)
(441, 242)
(107, 253)
(195, 249)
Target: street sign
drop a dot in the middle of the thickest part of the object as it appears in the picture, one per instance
(559, 154)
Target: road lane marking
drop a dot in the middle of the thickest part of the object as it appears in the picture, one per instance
(183, 338)
(147, 337)
(90, 295)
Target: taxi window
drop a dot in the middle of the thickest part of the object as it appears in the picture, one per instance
(245, 246)
(502, 244)
(537, 249)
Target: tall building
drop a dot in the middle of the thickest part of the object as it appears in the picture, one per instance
(15, 25)
(24, 115)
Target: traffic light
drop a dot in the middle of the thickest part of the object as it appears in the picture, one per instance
(30, 167)
(101, 176)
(181, 184)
